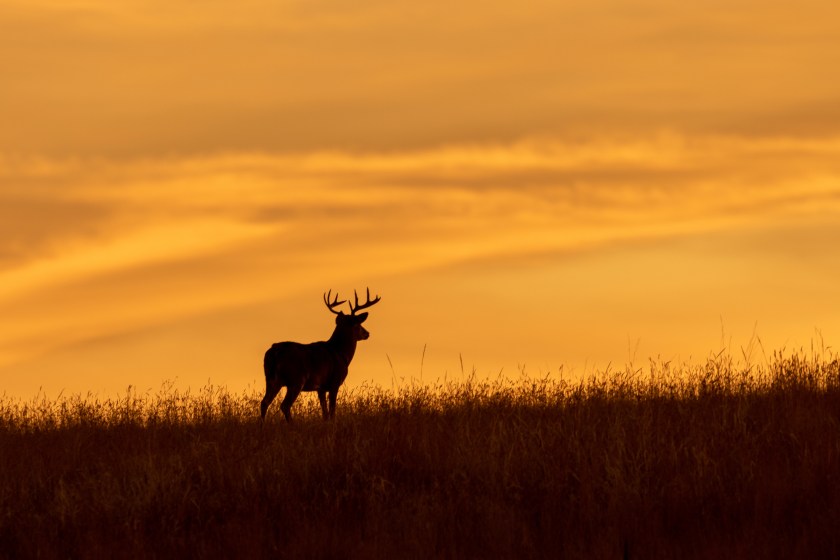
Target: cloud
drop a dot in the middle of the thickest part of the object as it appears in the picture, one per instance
(108, 247)
(438, 205)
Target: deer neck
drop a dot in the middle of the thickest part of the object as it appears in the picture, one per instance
(343, 344)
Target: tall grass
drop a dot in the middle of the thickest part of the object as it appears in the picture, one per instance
(705, 461)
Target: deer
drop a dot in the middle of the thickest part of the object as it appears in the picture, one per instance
(318, 366)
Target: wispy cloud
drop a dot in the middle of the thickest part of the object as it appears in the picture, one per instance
(174, 238)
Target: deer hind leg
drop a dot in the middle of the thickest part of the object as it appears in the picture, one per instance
(272, 387)
(292, 393)
(322, 398)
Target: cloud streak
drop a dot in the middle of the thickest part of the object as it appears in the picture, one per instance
(178, 238)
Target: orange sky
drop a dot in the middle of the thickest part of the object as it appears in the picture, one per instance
(525, 185)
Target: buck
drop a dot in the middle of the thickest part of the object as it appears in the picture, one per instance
(319, 366)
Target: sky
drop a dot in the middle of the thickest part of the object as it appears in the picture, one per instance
(530, 186)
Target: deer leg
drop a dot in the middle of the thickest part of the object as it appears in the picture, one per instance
(271, 390)
(333, 395)
(322, 398)
(286, 406)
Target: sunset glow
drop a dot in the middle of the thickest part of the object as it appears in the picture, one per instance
(527, 187)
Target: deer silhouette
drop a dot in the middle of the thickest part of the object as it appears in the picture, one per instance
(318, 366)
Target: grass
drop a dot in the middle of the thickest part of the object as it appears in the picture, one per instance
(705, 461)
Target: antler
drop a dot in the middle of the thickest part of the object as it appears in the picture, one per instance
(334, 303)
(368, 303)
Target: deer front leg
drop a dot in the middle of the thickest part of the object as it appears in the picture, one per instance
(322, 397)
(333, 395)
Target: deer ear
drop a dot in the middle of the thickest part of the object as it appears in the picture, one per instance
(361, 318)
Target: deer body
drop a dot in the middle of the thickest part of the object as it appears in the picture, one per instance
(318, 366)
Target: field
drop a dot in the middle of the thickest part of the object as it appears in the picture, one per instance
(697, 461)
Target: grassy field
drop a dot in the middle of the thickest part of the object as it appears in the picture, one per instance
(706, 461)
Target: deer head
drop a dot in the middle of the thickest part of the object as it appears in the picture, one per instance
(350, 324)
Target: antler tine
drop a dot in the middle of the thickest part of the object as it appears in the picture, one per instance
(334, 303)
(368, 303)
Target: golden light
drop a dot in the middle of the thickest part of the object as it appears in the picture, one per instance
(526, 186)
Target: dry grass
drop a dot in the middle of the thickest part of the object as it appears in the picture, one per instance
(708, 461)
